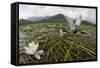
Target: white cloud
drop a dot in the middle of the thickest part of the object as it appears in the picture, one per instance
(26, 11)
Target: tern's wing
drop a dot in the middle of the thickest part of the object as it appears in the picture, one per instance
(78, 21)
(70, 22)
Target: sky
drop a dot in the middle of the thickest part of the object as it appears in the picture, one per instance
(26, 11)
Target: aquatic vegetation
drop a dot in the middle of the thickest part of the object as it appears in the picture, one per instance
(71, 47)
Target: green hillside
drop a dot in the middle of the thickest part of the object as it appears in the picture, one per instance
(59, 18)
(24, 22)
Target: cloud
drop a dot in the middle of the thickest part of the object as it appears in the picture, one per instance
(26, 11)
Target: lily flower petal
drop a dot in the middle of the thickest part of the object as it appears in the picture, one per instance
(31, 45)
(40, 52)
(34, 47)
(28, 50)
(37, 55)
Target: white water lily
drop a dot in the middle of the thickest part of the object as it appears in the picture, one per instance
(32, 49)
(62, 33)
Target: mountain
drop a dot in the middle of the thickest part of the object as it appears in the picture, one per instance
(84, 22)
(59, 18)
(34, 19)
